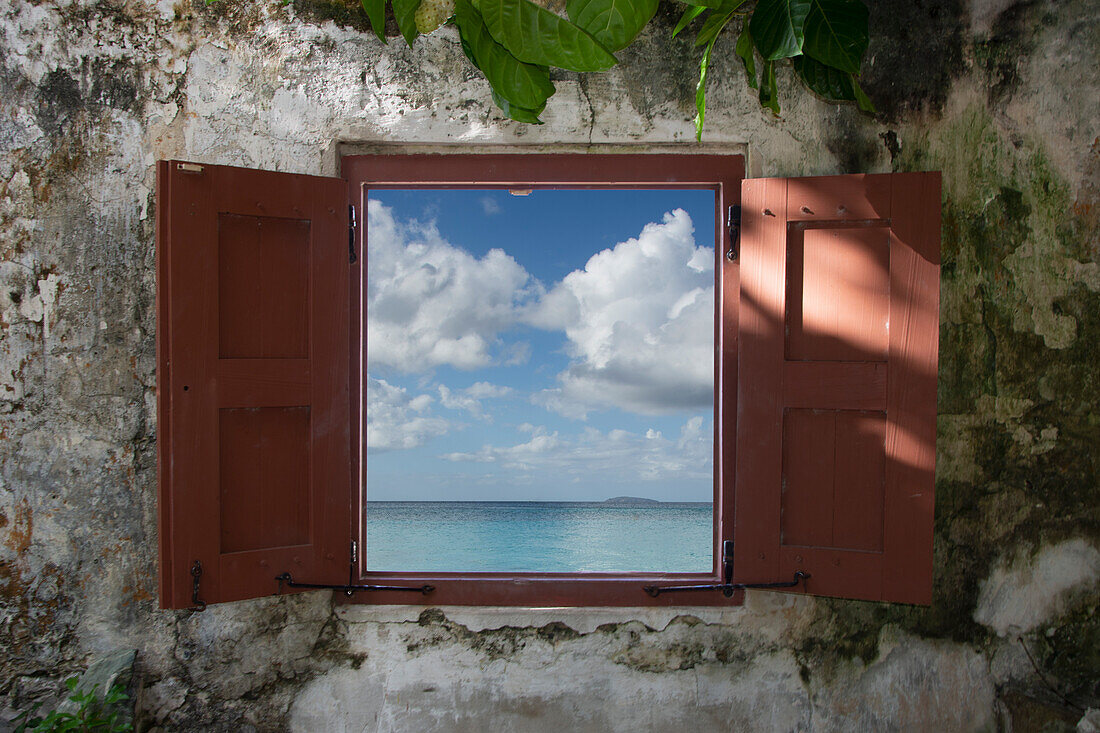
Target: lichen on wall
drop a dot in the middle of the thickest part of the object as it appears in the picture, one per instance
(1000, 96)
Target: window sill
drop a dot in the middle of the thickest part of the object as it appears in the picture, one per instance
(757, 605)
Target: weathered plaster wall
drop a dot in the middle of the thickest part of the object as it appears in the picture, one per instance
(1000, 95)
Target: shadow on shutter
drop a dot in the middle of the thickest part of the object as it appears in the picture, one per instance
(253, 363)
(836, 429)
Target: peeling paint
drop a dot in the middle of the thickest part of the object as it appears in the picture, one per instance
(1020, 596)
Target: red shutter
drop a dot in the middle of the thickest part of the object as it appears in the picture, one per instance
(836, 430)
(253, 360)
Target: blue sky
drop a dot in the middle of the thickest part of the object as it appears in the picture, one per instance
(553, 347)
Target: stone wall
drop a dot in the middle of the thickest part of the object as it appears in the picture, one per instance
(1000, 96)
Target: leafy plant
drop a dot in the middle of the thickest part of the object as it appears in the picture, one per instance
(515, 42)
(89, 713)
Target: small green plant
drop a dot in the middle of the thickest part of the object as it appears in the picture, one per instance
(91, 713)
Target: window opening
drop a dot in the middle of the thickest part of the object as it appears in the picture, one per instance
(824, 364)
(539, 382)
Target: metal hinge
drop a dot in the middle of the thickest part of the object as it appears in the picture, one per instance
(728, 587)
(351, 587)
(733, 226)
(352, 224)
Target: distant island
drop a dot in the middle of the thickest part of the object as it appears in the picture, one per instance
(630, 500)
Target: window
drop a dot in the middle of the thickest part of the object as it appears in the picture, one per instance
(825, 379)
(540, 380)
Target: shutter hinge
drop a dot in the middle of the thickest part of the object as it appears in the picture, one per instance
(733, 226)
(728, 587)
(196, 573)
(352, 224)
(351, 587)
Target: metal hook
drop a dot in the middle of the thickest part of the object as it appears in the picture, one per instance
(196, 573)
(728, 587)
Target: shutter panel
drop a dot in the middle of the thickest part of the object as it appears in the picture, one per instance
(836, 431)
(253, 362)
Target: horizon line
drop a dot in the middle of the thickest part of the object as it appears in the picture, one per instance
(524, 501)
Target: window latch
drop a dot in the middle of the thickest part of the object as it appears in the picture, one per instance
(352, 224)
(733, 226)
(196, 574)
(728, 587)
(351, 588)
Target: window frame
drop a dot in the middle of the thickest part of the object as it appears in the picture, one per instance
(721, 172)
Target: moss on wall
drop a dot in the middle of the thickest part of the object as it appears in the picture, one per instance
(1018, 398)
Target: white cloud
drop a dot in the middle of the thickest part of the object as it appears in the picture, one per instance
(517, 456)
(615, 454)
(431, 304)
(469, 399)
(397, 420)
(485, 390)
(640, 323)
(515, 353)
(490, 206)
(638, 317)
(555, 400)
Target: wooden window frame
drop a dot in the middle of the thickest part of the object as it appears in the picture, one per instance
(764, 397)
(722, 173)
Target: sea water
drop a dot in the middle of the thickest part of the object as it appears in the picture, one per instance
(552, 537)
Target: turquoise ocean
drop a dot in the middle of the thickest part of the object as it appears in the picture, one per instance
(552, 537)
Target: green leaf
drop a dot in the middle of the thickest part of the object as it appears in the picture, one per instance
(537, 36)
(689, 15)
(836, 33)
(517, 113)
(714, 24)
(745, 50)
(862, 100)
(769, 94)
(614, 23)
(405, 11)
(523, 85)
(777, 27)
(708, 34)
(115, 694)
(825, 80)
(831, 83)
(714, 4)
(701, 93)
(376, 14)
